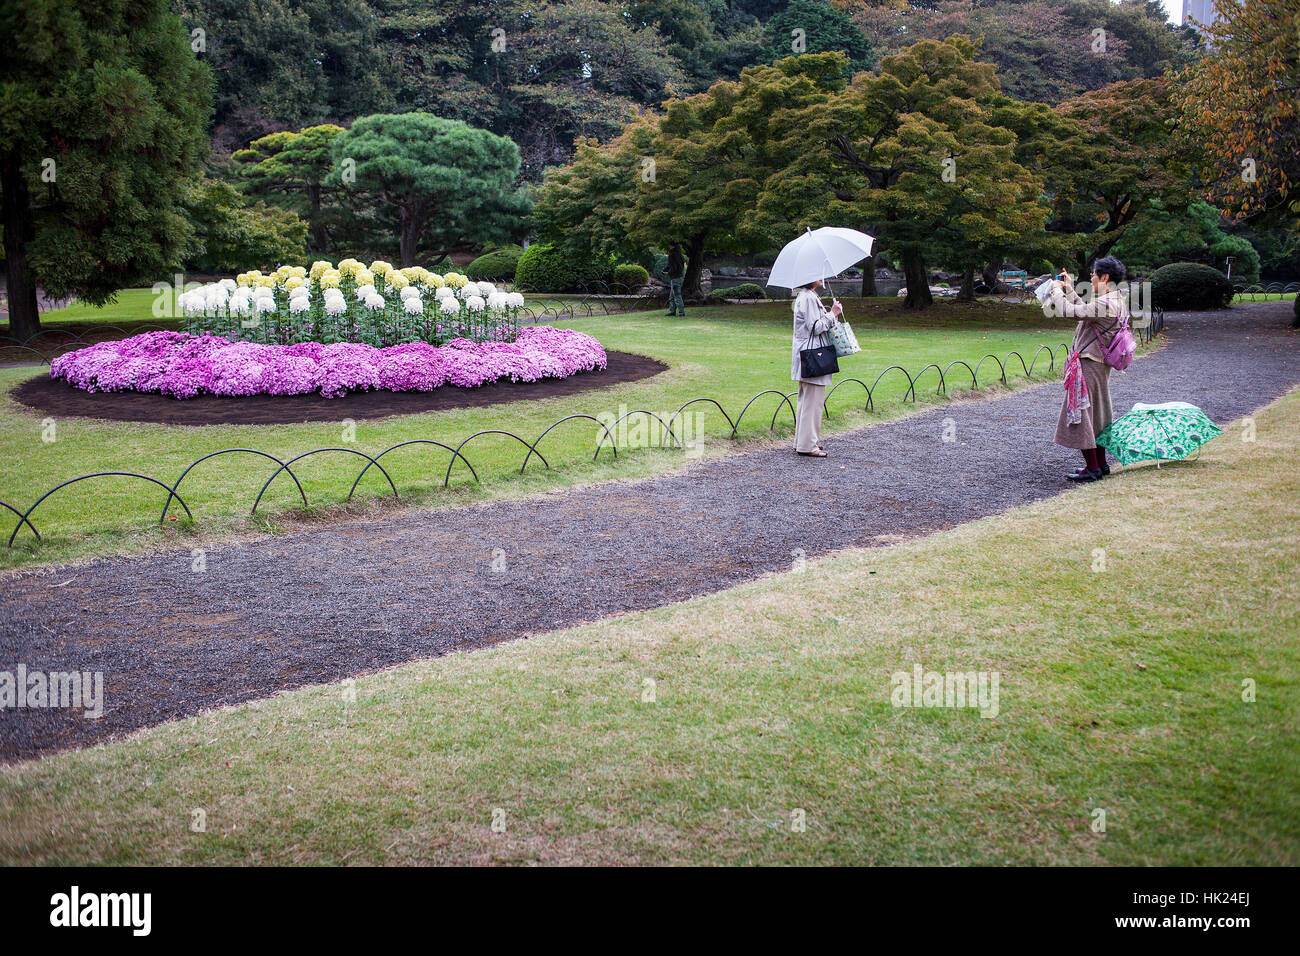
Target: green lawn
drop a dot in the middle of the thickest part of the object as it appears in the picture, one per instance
(729, 353)
(1263, 296)
(133, 306)
(1120, 691)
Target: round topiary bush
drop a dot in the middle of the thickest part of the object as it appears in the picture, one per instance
(545, 267)
(1190, 286)
(498, 265)
(630, 278)
(746, 290)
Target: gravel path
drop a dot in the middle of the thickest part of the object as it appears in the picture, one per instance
(322, 605)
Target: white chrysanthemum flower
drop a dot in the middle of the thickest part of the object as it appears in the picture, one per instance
(413, 304)
(475, 303)
(486, 288)
(469, 289)
(445, 292)
(515, 299)
(410, 292)
(497, 300)
(228, 284)
(374, 302)
(299, 304)
(449, 305)
(265, 305)
(334, 306)
(364, 292)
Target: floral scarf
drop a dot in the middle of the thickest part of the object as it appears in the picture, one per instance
(1076, 389)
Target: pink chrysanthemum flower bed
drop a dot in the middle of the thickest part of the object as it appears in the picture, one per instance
(184, 366)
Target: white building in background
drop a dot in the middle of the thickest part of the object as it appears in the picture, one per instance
(1202, 11)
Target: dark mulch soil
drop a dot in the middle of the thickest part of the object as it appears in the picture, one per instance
(56, 397)
(323, 605)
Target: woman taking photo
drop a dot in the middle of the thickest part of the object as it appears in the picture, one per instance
(811, 323)
(1086, 410)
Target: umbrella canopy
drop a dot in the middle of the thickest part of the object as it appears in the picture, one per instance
(1168, 432)
(819, 254)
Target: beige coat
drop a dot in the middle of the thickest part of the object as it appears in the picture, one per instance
(811, 323)
(1098, 319)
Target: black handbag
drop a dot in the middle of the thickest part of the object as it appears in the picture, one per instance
(819, 361)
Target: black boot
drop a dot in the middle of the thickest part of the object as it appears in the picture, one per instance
(1089, 471)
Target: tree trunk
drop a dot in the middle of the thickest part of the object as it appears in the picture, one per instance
(917, 278)
(319, 234)
(24, 316)
(694, 267)
(991, 276)
(967, 291)
(412, 226)
(869, 277)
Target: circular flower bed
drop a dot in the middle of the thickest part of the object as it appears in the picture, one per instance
(182, 365)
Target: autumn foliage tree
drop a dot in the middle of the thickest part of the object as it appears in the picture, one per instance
(1106, 172)
(1241, 110)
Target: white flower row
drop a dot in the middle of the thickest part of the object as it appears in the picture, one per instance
(248, 300)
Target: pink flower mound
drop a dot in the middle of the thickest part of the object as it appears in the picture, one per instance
(183, 366)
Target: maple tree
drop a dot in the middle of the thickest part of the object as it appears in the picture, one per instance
(1241, 111)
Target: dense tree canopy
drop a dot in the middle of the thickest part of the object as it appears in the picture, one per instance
(1044, 50)
(912, 155)
(292, 167)
(1192, 234)
(288, 63)
(450, 183)
(547, 73)
(691, 175)
(231, 235)
(815, 26)
(100, 137)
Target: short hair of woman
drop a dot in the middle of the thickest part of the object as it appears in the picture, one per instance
(1109, 266)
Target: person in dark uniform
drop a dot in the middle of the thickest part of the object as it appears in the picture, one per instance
(676, 271)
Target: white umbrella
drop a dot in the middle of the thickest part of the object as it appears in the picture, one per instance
(819, 254)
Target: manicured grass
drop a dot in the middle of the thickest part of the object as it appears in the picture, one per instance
(1263, 296)
(1120, 691)
(134, 306)
(729, 353)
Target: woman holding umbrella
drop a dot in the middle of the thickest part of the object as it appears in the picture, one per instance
(1086, 410)
(811, 322)
(803, 266)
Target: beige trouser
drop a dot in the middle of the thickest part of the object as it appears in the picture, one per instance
(808, 417)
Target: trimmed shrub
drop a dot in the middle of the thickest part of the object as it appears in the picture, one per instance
(629, 278)
(1190, 286)
(746, 290)
(545, 267)
(498, 265)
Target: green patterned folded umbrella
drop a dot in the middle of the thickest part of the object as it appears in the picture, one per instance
(1168, 432)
